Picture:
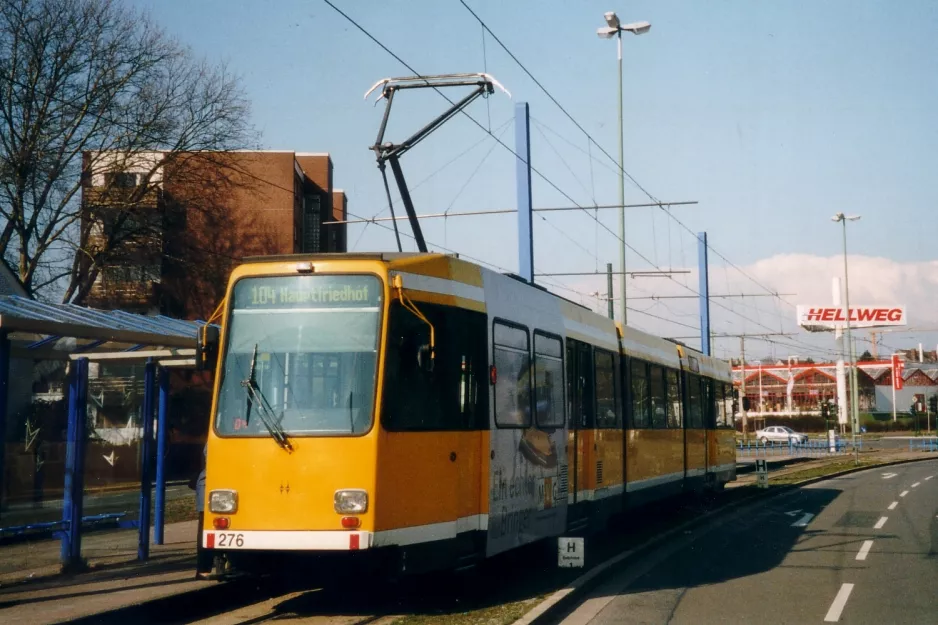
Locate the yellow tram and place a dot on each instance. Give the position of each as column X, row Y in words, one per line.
column 432, row 412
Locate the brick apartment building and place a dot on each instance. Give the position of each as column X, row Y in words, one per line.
column 173, row 229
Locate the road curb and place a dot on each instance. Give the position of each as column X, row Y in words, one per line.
column 560, row 600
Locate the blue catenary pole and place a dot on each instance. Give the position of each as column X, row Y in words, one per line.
column 704, row 293
column 161, row 443
column 523, row 177
column 146, row 459
column 73, row 496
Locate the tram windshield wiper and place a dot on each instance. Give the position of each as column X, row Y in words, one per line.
column 264, row 410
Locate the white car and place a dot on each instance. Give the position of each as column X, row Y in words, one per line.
column 780, row 434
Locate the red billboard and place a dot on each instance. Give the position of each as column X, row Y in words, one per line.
column 829, row 317
column 897, row 368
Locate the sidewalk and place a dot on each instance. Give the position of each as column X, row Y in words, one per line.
column 33, row 591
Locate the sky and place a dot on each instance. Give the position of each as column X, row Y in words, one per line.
column 771, row 116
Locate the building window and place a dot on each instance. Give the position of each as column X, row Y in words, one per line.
column 122, row 180
column 311, row 223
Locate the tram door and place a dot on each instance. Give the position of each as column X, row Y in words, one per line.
column 695, row 435
column 580, row 435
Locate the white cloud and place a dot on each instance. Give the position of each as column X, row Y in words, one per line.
column 873, row 281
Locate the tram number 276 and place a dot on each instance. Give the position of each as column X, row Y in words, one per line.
column 229, row 540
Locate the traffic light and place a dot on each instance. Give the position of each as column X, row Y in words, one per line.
column 933, row 404
column 825, row 410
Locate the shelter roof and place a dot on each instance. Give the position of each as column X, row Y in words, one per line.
column 43, row 331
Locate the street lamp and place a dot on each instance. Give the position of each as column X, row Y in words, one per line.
column 854, row 394
column 615, row 28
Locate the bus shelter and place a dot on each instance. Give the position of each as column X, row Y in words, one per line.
column 32, row 330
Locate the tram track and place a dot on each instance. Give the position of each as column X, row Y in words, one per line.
column 512, row 581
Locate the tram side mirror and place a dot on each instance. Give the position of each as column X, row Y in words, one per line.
column 206, row 348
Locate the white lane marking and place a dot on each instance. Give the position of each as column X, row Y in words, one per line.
column 833, row 614
column 793, row 512
column 916, row 485
column 865, row 549
column 929, row 477
column 904, row 493
column 889, row 476
column 893, row 505
column 882, row 521
column 803, row 521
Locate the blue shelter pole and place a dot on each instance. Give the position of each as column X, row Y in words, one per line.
column 161, row 442
column 74, row 465
column 146, row 459
column 4, row 402
column 704, row 293
column 523, row 178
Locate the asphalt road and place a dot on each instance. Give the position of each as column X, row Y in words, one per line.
column 862, row 548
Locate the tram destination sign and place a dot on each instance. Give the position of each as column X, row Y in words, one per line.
column 826, row 318
column 325, row 291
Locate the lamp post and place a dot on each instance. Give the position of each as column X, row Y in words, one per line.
column 854, row 393
column 615, row 28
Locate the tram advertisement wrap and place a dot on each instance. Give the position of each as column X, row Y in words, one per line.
column 527, row 497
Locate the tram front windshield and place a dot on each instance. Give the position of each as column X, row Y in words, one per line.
column 310, row 343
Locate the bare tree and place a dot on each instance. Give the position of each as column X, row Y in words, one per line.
column 88, row 89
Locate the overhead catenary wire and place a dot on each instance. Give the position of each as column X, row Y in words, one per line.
column 533, row 169
column 494, row 211
column 589, row 297
column 117, row 123
column 658, row 204
column 541, row 175
column 618, row 166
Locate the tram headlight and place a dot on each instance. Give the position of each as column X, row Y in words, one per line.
column 351, row 501
column 223, row 501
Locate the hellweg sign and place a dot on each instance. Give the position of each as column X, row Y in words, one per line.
column 821, row 318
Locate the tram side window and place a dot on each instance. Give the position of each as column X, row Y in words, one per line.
column 639, row 385
column 694, row 414
column 572, row 404
column 659, row 411
column 606, row 413
column 709, row 406
column 585, row 390
column 454, row 395
column 730, row 419
column 620, row 389
column 513, row 379
column 548, row 380
column 674, row 399
column 721, row 405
